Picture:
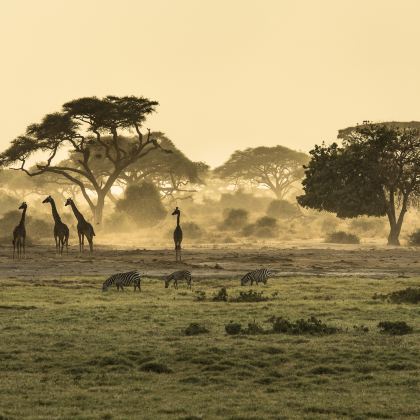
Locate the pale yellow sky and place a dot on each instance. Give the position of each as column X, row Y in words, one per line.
column 228, row 74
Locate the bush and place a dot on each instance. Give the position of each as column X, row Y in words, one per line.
column 283, row 209
column 233, row 328
column 341, row 237
column 311, row 326
column 155, row 367
column 192, row 230
column 195, row 329
column 235, row 219
column 414, row 238
column 221, row 295
column 250, row 296
column 200, row 295
column 253, row 328
column 408, row 295
column 143, row 204
column 266, row 222
column 394, row 328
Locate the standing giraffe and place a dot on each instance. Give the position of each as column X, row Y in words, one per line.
column 84, row 228
column 19, row 233
column 177, row 235
column 61, row 231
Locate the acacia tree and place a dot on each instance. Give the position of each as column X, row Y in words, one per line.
column 173, row 174
column 83, row 127
column 376, row 172
column 277, row 168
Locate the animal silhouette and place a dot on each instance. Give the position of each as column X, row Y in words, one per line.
column 84, row 228
column 19, row 234
column 61, row 231
column 177, row 235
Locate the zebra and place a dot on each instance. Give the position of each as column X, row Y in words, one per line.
column 123, row 279
column 178, row 275
column 259, row 276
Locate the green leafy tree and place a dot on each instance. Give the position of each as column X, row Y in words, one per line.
column 277, row 168
column 376, row 172
column 84, row 127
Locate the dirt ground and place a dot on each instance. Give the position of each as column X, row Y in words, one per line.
column 215, row 262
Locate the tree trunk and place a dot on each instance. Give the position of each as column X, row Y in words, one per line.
column 99, row 209
column 395, row 225
column 394, row 234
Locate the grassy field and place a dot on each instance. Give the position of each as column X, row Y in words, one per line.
column 67, row 350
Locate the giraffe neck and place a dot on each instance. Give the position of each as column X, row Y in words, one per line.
column 177, row 218
column 55, row 214
column 77, row 213
column 22, row 219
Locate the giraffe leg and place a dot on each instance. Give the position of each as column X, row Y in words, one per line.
column 14, row 248
column 80, row 242
column 90, row 244
column 24, row 247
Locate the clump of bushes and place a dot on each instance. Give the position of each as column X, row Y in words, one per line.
column 341, row 237
column 264, row 227
column 200, row 295
column 414, row 238
column 312, row 325
column 155, row 367
column 233, row 328
column 283, row 209
column 195, row 329
column 394, row 327
column 372, row 226
column 221, row 295
column 249, row 296
column 280, row 325
column 408, row 295
column 235, row 219
column 192, row 230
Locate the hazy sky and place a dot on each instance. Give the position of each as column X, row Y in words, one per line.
column 228, row 74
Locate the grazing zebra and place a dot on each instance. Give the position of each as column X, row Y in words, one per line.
column 259, row 276
column 178, row 275
column 123, row 279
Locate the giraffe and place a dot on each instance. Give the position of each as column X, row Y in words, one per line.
column 177, row 235
column 84, row 228
column 19, row 233
column 61, row 231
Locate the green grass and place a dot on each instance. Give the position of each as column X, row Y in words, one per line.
column 67, row 350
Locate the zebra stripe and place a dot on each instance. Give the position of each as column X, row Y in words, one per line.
column 259, row 276
column 123, row 279
column 178, row 275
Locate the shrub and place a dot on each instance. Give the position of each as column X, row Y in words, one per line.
column 155, row 367
column 195, row 329
column 250, row 296
column 221, row 295
column 282, row 209
column 414, row 238
column 200, row 295
column 341, row 237
column 192, row 230
column 266, row 222
column 394, row 328
column 311, row 326
column 408, row 295
column 235, row 219
column 253, row 328
column 233, row 328
column 143, row 204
